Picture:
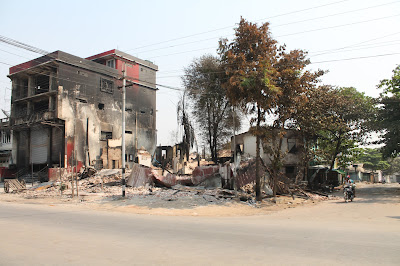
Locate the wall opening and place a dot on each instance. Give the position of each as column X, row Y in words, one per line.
column 105, row 135
column 42, row 83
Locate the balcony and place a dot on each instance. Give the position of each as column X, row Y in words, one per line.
column 36, row 117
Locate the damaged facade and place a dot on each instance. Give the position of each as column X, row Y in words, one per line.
column 246, row 148
column 65, row 107
column 5, row 143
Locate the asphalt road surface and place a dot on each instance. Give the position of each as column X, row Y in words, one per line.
column 363, row 232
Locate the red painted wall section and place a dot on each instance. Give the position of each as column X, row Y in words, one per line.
column 7, row 173
column 70, row 152
column 132, row 73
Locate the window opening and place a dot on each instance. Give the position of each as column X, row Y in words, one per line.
column 292, row 146
column 289, row 169
column 82, row 100
column 105, row 135
column 110, row 63
column 101, row 106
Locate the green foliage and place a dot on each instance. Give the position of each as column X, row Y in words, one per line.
column 388, row 121
column 391, row 86
column 394, row 166
column 372, row 159
column 338, row 118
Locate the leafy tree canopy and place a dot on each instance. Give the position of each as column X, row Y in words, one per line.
column 372, row 159
column 389, row 114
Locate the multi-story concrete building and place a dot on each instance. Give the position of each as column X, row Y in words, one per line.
column 65, row 107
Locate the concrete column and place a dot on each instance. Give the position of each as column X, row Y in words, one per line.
column 51, row 103
column 29, row 108
column 51, row 81
column 31, row 92
column 14, row 88
column 31, row 86
column 13, row 96
column 49, row 147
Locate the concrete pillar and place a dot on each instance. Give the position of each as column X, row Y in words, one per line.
column 29, row 108
column 51, row 103
column 13, row 96
column 31, row 86
column 31, row 92
column 51, row 81
column 49, row 147
column 14, row 88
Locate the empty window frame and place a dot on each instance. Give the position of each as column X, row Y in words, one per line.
column 105, row 135
column 110, row 63
column 42, row 83
column 289, row 169
column 292, row 145
column 5, row 137
column 101, row 106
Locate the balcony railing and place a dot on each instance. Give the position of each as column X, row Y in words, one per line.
column 43, row 115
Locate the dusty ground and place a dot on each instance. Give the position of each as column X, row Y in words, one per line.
column 185, row 201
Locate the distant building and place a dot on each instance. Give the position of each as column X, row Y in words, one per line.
column 65, row 107
column 291, row 146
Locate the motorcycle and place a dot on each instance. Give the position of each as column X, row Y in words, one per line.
column 348, row 194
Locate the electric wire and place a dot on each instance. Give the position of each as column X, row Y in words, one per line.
column 34, row 49
column 291, row 34
column 231, row 26
column 272, row 26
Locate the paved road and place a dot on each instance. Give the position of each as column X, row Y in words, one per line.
column 363, row 232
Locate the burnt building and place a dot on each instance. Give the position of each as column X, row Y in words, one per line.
column 67, row 109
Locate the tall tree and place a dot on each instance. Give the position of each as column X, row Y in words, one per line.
column 337, row 119
column 210, row 107
column 248, row 61
column 389, row 114
column 295, row 83
column 372, row 159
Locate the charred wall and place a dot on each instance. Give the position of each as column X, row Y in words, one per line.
column 91, row 105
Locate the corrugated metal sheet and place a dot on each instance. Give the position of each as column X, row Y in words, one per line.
column 39, row 140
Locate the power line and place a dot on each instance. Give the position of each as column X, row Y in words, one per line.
column 357, row 44
column 353, row 58
column 229, row 27
column 22, row 45
column 337, row 14
column 274, row 26
column 31, row 48
column 296, row 33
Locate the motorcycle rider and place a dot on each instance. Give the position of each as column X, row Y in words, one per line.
column 350, row 183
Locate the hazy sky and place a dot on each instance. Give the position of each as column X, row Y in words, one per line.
column 358, row 41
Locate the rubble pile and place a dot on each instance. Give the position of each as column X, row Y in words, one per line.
column 152, row 185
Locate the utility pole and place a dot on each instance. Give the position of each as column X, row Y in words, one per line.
column 136, row 138
column 123, row 128
column 234, row 150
